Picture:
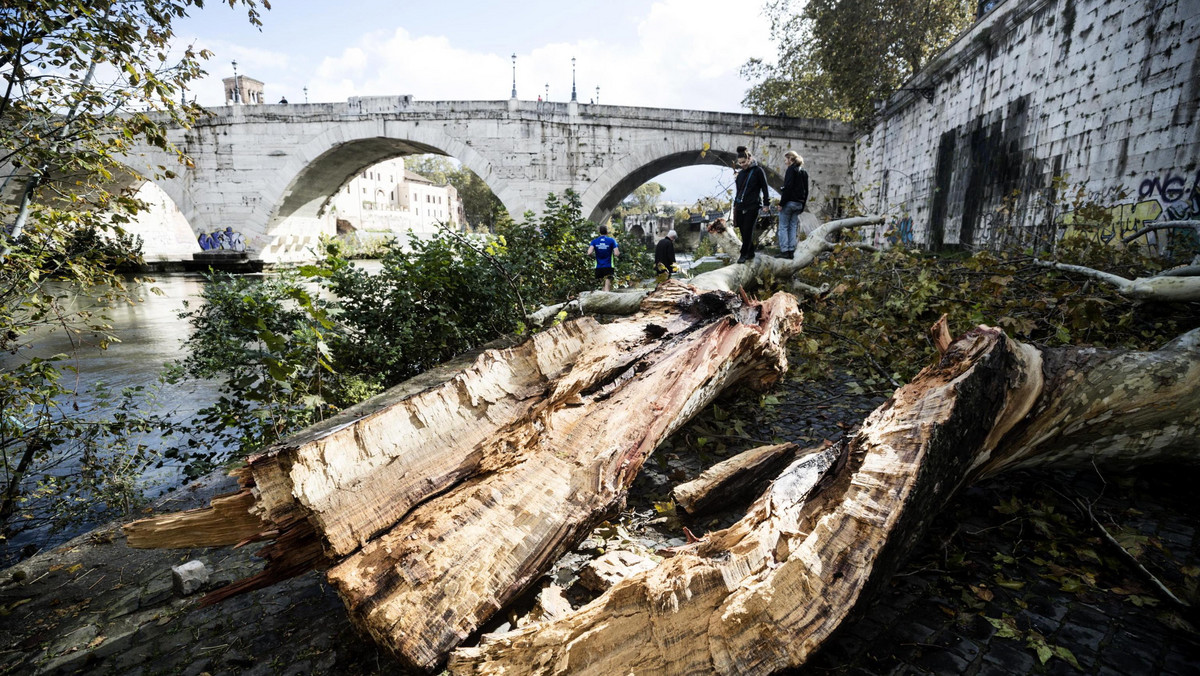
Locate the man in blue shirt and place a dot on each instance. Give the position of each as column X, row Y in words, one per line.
column 604, row 248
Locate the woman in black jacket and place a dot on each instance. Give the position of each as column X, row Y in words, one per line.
column 750, row 196
column 792, row 201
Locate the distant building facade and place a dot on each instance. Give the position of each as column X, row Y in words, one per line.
column 387, row 198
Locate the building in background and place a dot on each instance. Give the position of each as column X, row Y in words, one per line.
column 387, row 199
column 243, row 90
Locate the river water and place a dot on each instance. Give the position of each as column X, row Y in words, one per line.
column 151, row 334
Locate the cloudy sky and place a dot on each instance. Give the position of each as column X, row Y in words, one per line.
column 666, row 53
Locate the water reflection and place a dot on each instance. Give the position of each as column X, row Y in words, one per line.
column 151, row 334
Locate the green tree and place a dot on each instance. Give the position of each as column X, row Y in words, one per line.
column 837, row 57
column 268, row 342
column 436, row 168
column 82, row 82
column 644, row 199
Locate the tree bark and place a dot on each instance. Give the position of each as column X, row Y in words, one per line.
column 767, row 592
column 525, row 451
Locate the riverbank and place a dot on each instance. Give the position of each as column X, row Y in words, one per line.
column 1009, row 570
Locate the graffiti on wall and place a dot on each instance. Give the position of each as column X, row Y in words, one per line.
column 1166, row 197
column 901, row 231
column 1179, row 202
column 227, row 240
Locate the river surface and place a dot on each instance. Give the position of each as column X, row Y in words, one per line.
column 151, row 335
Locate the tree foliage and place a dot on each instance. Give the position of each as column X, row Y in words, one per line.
column 882, row 304
column 837, row 57
column 80, row 84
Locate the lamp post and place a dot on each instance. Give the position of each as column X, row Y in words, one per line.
column 306, row 93
column 573, row 78
column 547, row 91
column 514, row 91
column 237, row 95
column 597, row 94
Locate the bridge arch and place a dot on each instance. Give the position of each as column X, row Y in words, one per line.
column 622, row 178
column 327, row 162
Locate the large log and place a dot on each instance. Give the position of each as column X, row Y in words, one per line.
column 441, row 504
column 767, row 592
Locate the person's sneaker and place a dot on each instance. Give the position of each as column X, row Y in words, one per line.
column 741, row 259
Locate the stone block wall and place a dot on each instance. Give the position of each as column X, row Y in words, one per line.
column 1103, row 94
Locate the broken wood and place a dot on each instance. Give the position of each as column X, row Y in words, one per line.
column 734, row 480
column 525, row 450
column 1164, row 288
column 766, row 593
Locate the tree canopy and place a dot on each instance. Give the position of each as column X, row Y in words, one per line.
column 837, row 57
column 80, row 84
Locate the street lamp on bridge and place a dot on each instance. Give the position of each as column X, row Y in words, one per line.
column 572, row 78
column 237, row 95
column 514, row 91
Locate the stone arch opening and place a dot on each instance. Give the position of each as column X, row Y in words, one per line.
column 162, row 226
column 303, row 213
column 631, row 179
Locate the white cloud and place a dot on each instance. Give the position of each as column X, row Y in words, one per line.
column 687, row 55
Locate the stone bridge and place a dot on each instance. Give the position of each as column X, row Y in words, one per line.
column 270, row 171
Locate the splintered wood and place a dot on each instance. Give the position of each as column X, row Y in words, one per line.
column 766, row 593
column 439, row 502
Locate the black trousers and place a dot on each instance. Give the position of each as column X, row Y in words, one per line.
column 744, row 220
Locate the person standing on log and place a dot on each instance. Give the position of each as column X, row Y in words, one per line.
column 664, row 255
column 605, row 249
column 792, row 201
column 750, row 196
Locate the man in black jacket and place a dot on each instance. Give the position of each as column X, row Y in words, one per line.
column 792, row 202
column 749, row 197
column 664, row 254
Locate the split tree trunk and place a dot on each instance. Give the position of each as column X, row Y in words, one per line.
column 440, row 505
column 767, row 592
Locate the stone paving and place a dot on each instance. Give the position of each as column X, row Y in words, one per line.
column 1012, row 579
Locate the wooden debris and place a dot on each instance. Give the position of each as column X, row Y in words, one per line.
column 735, row 479
column 440, row 502
column 766, row 593
column 612, row 567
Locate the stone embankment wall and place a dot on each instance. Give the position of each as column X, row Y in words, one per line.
column 1102, row 94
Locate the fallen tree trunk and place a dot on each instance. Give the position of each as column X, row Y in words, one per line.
column 728, row 278
column 524, row 451
column 767, row 592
